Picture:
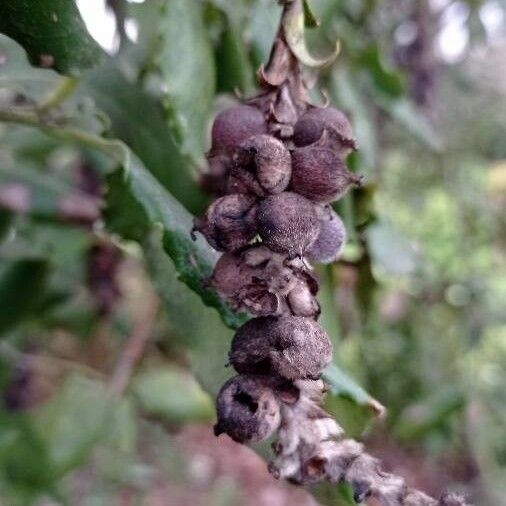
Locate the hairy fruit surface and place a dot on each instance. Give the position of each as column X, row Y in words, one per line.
column 229, row 223
column 248, row 410
column 293, row 347
column 287, row 223
column 314, row 123
column 319, row 174
column 234, row 125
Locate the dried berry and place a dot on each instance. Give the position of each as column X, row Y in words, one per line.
column 248, row 409
column 302, row 302
column 262, row 165
column 292, row 347
column 316, row 121
column 229, row 223
column 320, row 175
column 234, row 125
column 287, row 223
column 330, row 243
column 263, row 282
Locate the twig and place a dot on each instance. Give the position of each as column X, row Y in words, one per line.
column 66, row 87
column 134, row 349
column 312, row 447
column 30, row 117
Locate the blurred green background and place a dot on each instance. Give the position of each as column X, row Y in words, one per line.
column 89, row 255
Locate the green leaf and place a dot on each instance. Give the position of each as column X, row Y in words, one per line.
column 16, row 74
column 74, row 421
column 121, row 431
column 198, row 328
column 123, row 213
column 334, row 494
column 310, row 20
column 342, row 385
column 329, row 317
column 194, row 260
column 386, row 80
column 406, row 115
column 24, row 457
column 52, row 32
column 128, row 108
column 22, row 286
column 233, row 67
column 173, row 395
column 390, row 250
column 263, row 24
column 186, row 64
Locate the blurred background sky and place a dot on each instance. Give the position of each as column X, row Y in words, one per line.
column 452, row 40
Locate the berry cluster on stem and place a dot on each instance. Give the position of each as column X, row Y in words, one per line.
column 276, row 165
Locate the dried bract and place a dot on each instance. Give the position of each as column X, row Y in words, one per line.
column 262, row 282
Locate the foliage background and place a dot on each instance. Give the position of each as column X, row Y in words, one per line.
column 94, row 246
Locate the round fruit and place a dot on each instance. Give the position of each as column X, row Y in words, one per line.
column 312, row 125
column 229, row 223
column 262, row 165
column 320, row 175
column 287, row 223
column 331, row 240
column 234, row 125
column 248, row 410
column 293, row 347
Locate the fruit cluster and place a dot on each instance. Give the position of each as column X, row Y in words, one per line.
column 276, row 164
column 273, row 214
column 271, row 219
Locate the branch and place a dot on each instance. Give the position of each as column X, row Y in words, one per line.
column 65, row 89
column 311, row 448
column 134, row 348
column 30, row 117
